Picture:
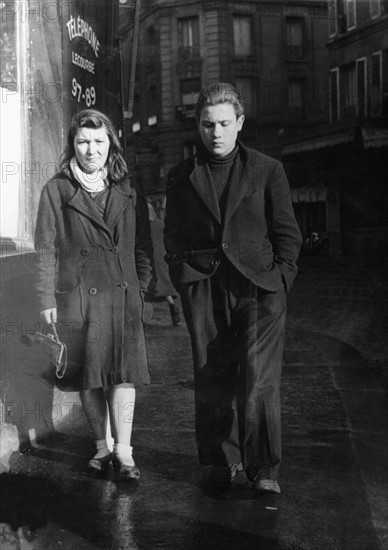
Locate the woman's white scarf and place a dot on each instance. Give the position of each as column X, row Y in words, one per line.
column 92, row 183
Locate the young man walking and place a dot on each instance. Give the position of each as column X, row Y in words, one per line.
column 232, row 242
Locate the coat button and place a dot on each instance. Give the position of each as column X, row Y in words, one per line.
column 225, row 245
column 115, row 249
column 92, row 291
column 124, row 285
column 84, row 252
column 213, row 263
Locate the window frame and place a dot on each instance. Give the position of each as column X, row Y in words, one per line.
column 365, row 107
column 378, row 4
column 251, row 108
column 181, row 92
column 378, row 53
column 302, row 21
column 249, row 18
column 335, row 71
column 348, row 90
column 332, row 6
column 294, row 109
column 348, row 4
column 193, row 47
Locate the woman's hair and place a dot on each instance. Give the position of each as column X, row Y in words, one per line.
column 214, row 94
column 90, row 118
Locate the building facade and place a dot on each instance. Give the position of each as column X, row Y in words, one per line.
column 350, row 153
column 274, row 52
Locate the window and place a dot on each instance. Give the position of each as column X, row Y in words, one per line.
column 374, row 8
column 189, row 90
column 189, row 149
column 334, row 95
column 295, row 99
column 376, row 91
column 332, row 17
column 247, row 90
column 149, row 47
column 242, row 35
column 351, row 14
column 295, row 38
column 152, row 105
column 188, row 37
column 361, row 87
column 348, row 88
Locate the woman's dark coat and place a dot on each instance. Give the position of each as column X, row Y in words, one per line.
column 96, row 272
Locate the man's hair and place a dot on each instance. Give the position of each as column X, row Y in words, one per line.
column 91, row 118
column 220, row 92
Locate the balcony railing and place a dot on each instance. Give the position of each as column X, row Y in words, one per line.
column 296, row 52
column 186, row 53
column 296, row 113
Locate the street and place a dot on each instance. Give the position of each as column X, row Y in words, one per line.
column 334, row 476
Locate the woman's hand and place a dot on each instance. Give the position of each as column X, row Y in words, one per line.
column 49, row 316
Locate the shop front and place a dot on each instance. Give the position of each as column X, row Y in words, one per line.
column 57, row 58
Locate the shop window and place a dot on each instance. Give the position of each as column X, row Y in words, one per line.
column 189, row 90
column 332, row 18
column 247, row 90
column 296, row 46
column 296, row 99
column 188, row 37
column 361, row 87
column 376, row 91
column 374, row 8
column 242, row 35
column 348, row 91
column 334, row 94
column 351, row 14
column 11, row 139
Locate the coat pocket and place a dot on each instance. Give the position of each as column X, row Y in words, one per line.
column 70, row 306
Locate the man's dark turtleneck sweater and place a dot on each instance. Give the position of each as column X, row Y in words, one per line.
column 221, row 171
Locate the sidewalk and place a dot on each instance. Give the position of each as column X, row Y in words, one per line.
column 334, row 473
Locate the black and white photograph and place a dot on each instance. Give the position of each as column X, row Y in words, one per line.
column 194, row 275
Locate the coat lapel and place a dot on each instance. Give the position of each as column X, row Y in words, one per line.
column 117, row 202
column 240, row 179
column 202, row 181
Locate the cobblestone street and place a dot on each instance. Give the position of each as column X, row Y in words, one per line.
column 334, row 473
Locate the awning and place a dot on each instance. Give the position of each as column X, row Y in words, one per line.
column 374, row 137
column 319, row 142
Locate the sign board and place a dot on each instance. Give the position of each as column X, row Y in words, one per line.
column 308, row 194
column 185, row 112
column 90, row 66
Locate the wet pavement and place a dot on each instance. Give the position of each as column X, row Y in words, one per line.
column 334, row 476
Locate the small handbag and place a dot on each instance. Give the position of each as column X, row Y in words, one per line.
column 54, row 348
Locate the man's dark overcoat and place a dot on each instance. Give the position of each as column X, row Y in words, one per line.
column 258, row 235
column 95, row 270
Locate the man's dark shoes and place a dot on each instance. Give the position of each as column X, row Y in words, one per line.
column 224, row 475
column 262, row 486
